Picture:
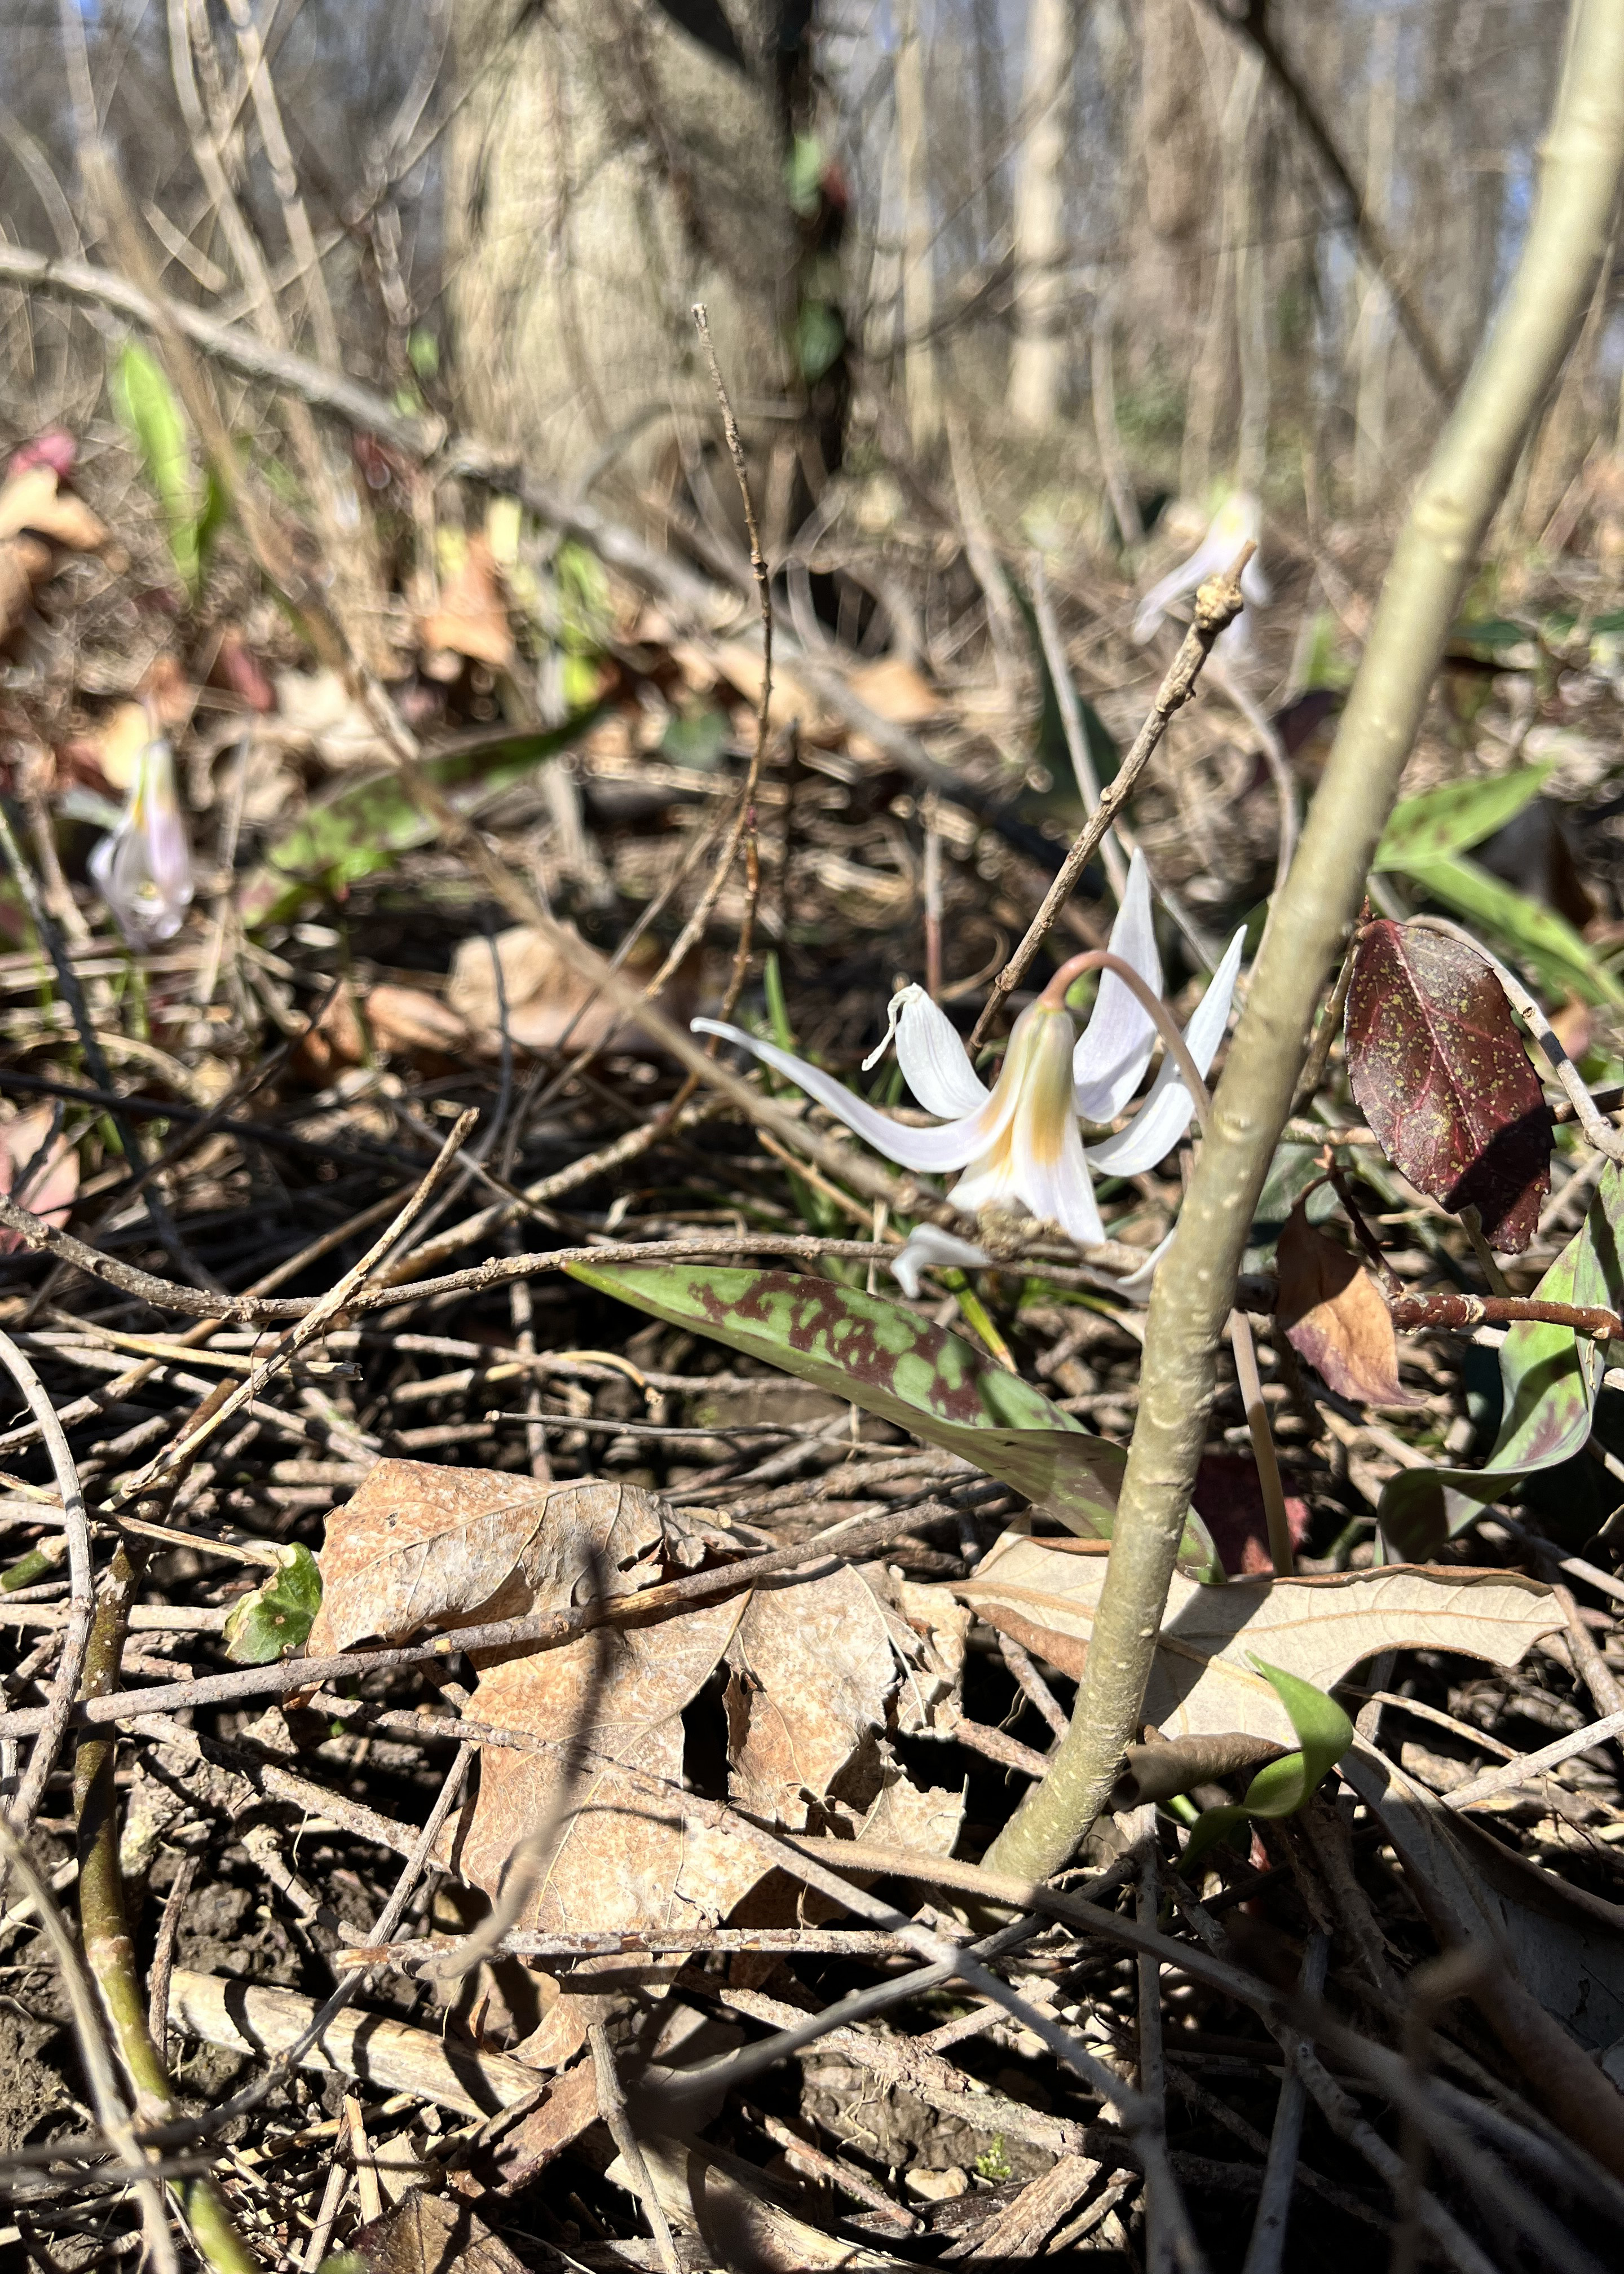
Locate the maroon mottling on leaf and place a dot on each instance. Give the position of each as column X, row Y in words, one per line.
column 1334, row 1316
column 1229, row 1500
column 1441, row 1074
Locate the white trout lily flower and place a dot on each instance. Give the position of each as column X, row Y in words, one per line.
column 1022, row 1140
column 143, row 870
column 1239, row 521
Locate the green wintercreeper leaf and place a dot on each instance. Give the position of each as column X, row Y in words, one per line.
column 1549, row 1376
column 277, row 1616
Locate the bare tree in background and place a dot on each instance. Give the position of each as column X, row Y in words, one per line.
column 918, row 295
column 1037, row 361
column 614, row 161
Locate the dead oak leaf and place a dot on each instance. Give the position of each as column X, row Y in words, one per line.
column 1202, row 1679
column 419, row 1545
column 812, row 1668
column 471, row 619
column 1334, row 1316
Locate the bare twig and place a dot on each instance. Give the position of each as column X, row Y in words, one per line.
column 81, row 1601
column 1217, row 604
column 611, row 2108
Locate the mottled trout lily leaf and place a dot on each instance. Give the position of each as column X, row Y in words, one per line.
column 898, row 1366
column 1548, row 1376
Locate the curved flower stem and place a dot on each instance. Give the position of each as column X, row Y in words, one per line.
column 1582, row 160
column 1240, row 1326
column 1101, row 959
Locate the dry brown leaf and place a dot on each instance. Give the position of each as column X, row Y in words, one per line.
column 471, row 619
column 622, row 1856
column 931, row 1630
column 1203, row 1681
column 407, row 1020
column 31, row 500
column 432, row 2234
column 119, row 742
column 318, row 709
column 812, row 1667
column 419, row 1546
column 927, row 1819
column 895, row 691
column 24, row 563
column 543, row 997
column 52, row 1166
column 1334, row 1316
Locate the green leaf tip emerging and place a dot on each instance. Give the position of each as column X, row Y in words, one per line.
column 1324, row 1732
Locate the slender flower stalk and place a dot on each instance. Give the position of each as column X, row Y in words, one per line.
column 143, row 870
column 1022, row 1141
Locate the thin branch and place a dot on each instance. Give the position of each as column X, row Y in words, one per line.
column 1217, row 604
column 1251, row 20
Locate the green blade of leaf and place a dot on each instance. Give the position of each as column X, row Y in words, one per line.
column 147, row 405
column 880, row 1357
column 1454, row 816
column 1324, row 1734
column 1560, row 956
column 277, row 1616
column 360, row 827
column 1549, row 1376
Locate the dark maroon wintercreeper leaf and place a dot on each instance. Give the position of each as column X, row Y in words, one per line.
column 1441, row 1074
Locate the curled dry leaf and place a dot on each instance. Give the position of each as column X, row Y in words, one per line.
column 1203, row 1683
column 31, row 500
column 1334, row 1316
column 543, row 998
column 1439, row 1073
column 421, row 1545
column 471, row 619
column 38, row 1170
column 34, row 517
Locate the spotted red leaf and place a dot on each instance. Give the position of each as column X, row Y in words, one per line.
column 1442, row 1076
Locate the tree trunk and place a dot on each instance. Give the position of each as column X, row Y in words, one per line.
column 607, row 169
column 1171, row 222
column 1036, row 366
column 919, row 351
column 1373, row 335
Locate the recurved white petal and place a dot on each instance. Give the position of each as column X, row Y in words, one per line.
column 948, row 1148
column 926, row 1247
column 935, row 1063
column 1165, row 1115
column 1109, row 1063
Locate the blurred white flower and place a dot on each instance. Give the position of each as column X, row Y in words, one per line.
column 143, row 870
column 1236, row 521
column 1021, row 1140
